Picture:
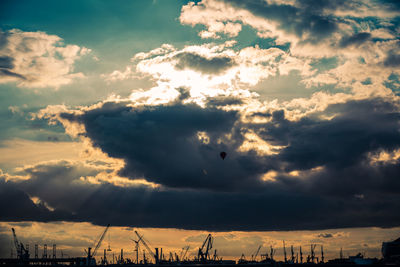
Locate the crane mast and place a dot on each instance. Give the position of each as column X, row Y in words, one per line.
column 136, row 249
column 203, row 256
column 147, row 246
column 292, row 253
column 16, row 243
column 284, row 251
column 272, row 253
column 22, row 252
column 301, row 256
column 255, row 255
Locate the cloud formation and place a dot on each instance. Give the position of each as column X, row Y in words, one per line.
column 164, row 143
column 301, row 40
column 23, row 208
column 287, row 21
column 197, row 62
column 329, row 160
column 340, row 162
column 208, row 71
column 36, row 59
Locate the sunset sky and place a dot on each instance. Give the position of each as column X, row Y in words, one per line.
column 115, row 112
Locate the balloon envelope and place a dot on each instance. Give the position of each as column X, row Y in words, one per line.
column 223, row 155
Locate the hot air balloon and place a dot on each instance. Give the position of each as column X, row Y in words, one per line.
column 223, row 155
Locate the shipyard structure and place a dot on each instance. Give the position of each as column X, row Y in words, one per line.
column 206, row 256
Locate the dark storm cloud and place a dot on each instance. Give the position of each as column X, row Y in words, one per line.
column 166, row 145
column 357, row 128
column 355, row 40
column 162, row 143
column 342, row 146
column 213, row 65
column 49, row 180
column 201, row 191
column 274, row 209
column 232, row 211
column 306, row 18
column 15, row 204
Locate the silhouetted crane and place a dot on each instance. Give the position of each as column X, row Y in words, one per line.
column 137, row 249
column 141, row 238
column 322, row 254
column 100, row 240
column 312, row 256
column 301, row 255
column 284, row 251
column 109, row 246
column 184, row 252
column 90, row 256
column 272, row 253
column 22, row 252
column 256, row 254
column 204, row 255
column 292, row 259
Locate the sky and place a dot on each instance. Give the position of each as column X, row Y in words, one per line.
column 115, row 112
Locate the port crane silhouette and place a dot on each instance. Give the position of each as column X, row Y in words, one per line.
column 141, row 239
column 90, row 255
column 204, row 250
column 22, row 252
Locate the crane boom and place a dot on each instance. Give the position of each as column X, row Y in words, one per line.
column 205, row 241
column 203, row 256
column 16, row 243
column 258, row 250
column 184, row 254
column 22, row 252
column 100, row 240
column 145, row 244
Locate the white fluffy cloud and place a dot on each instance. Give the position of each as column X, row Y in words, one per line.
column 222, row 18
column 36, row 59
column 364, row 52
column 268, row 18
column 208, row 70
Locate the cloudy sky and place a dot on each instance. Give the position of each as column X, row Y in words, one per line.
column 117, row 111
